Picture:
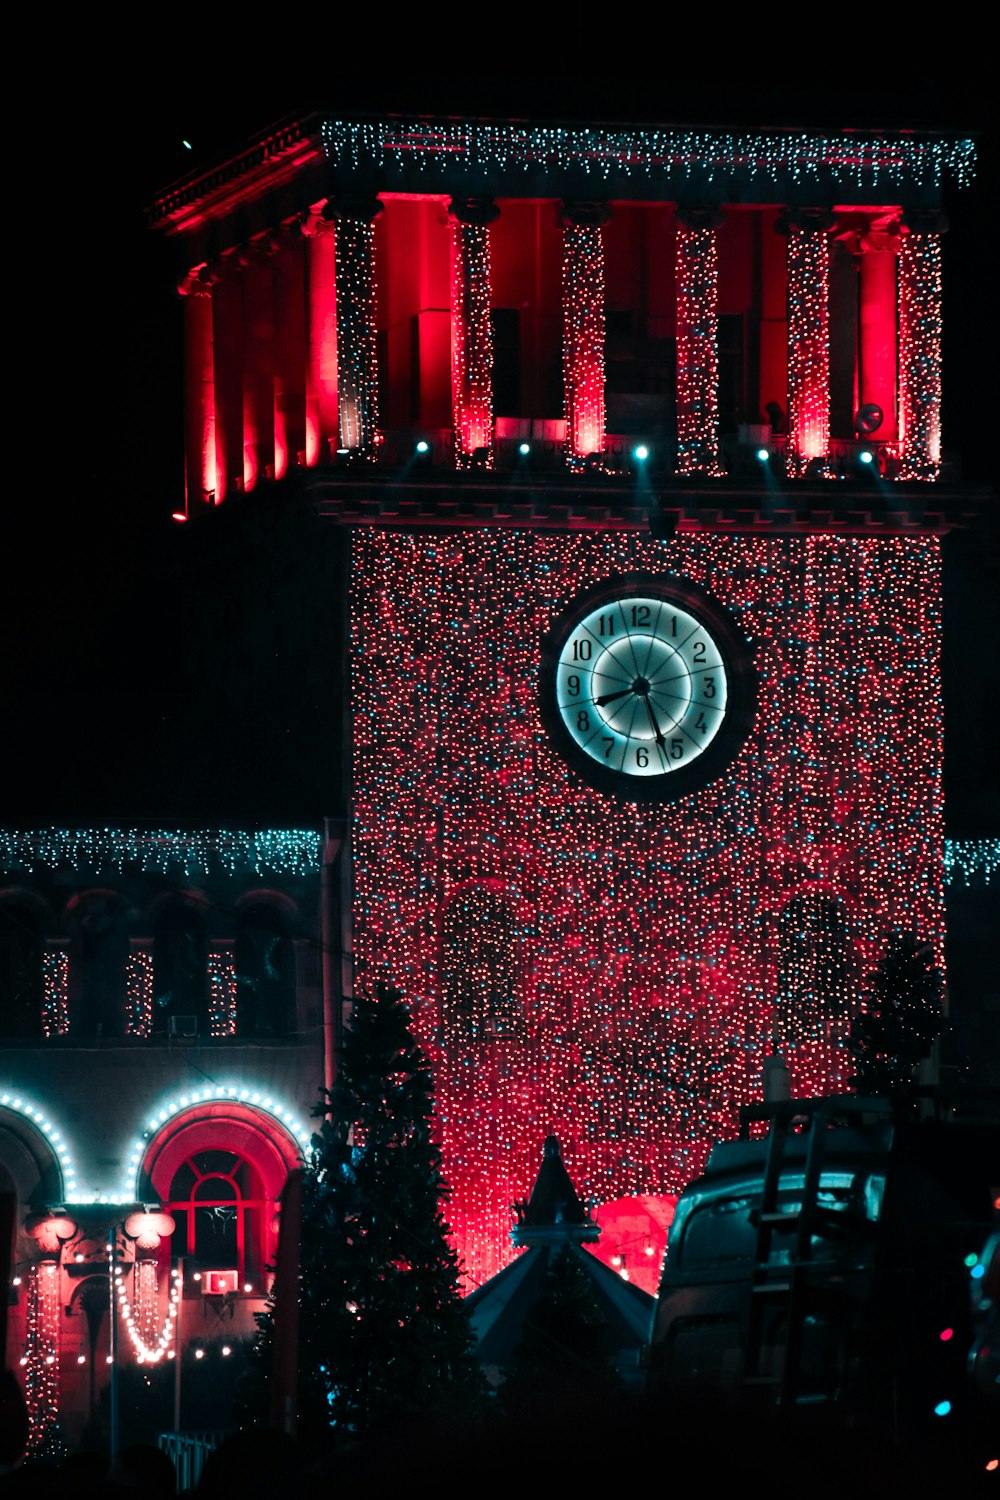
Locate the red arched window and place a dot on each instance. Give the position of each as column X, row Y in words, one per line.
column 218, row 1203
column 219, row 1169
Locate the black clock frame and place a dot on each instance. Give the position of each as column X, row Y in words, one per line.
column 741, row 687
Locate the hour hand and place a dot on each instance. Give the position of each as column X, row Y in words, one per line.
column 611, row 697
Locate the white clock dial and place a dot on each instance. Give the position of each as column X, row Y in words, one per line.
column 641, row 686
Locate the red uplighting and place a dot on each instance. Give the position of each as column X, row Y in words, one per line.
column 946, row 1334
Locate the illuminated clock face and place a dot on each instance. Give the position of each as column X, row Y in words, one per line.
column 645, row 680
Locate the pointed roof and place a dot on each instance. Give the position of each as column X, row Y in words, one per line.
column 554, row 1213
column 553, row 1218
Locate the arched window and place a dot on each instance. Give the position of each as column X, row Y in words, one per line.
column 481, row 995
column 265, row 972
column 219, row 1170
column 813, row 967
column 20, row 967
column 180, row 966
column 218, row 1202
column 100, row 949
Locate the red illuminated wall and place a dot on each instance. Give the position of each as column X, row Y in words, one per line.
column 626, row 963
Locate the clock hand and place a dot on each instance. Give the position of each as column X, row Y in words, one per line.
column 652, row 719
column 610, row 697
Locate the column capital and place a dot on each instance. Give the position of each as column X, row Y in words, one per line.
column 808, row 220
column 317, row 220
column 576, row 214
column 347, row 206
column 480, row 211
column 699, row 215
column 198, row 282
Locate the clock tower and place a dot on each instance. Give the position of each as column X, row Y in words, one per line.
column 634, row 438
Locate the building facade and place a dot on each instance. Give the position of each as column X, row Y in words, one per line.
column 634, row 439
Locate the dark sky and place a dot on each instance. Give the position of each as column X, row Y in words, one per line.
column 96, row 604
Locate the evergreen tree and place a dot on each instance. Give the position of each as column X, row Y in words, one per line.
column 384, row 1339
column 901, row 1016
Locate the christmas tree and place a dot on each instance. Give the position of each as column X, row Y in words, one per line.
column 384, row 1339
column 901, row 1016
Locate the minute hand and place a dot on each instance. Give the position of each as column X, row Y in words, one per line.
column 652, row 719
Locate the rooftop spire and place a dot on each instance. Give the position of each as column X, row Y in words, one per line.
column 554, row 1213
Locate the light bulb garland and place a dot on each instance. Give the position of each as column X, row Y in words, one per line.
column 357, row 359
column 919, row 272
column 697, row 276
column 40, row 1363
column 55, row 992
column 139, row 993
column 149, row 1344
column 222, row 993
column 258, row 1100
column 471, row 343
column 583, row 340
column 808, row 350
column 635, row 952
column 56, row 1141
column 775, row 160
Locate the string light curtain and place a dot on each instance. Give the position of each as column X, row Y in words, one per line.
column 55, row 992
column 643, row 939
column 583, row 329
column 357, row 352
column 697, row 277
column 471, row 331
column 222, row 993
column 920, row 348
column 139, row 993
column 40, row 1362
column 808, row 341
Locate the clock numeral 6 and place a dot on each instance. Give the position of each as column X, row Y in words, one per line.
column 642, row 756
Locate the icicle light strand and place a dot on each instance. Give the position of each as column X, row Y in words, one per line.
column 777, row 159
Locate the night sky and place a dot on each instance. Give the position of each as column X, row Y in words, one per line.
column 111, row 709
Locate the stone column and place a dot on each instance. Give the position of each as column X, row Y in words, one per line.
column 877, row 251
column 258, row 365
column 322, row 410
column 471, row 332
column 199, row 389
column 920, row 345
column 289, row 348
column 697, row 279
column 583, row 328
column 227, row 342
column 357, row 345
column 808, row 338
